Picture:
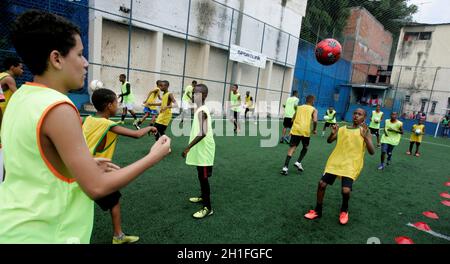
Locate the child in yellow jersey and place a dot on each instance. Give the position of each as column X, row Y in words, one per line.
column 201, row 150
column 51, row 176
column 150, row 110
column 346, row 162
column 417, row 131
column 165, row 112
column 101, row 136
column 392, row 134
column 301, row 131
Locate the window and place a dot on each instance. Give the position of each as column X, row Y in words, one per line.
column 408, row 98
column 422, row 107
column 411, row 36
column 425, row 35
column 433, row 107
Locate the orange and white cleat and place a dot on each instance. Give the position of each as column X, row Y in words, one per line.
column 343, row 218
column 417, row 154
column 311, row 215
column 408, row 153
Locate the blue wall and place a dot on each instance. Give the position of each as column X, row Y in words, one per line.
column 430, row 128
column 310, row 77
column 77, row 12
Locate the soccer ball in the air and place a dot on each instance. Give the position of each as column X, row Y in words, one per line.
column 328, row 51
column 96, row 84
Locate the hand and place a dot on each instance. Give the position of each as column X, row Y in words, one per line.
column 364, row 130
column 161, row 148
column 334, row 129
column 185, row 152
column 106, row 165
column 315, row 132
column 153, row 130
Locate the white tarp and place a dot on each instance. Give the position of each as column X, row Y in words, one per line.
column 247, row 56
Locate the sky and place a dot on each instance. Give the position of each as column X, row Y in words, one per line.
column 432, row 11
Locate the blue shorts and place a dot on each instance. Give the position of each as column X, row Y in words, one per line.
column 387, row 148
column 150, row 111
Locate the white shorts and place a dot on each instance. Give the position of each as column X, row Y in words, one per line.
column 129, row 106
column 187, row 105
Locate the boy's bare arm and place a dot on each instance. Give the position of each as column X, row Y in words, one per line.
column 202, row 133
column 333, row 135
column 123, row 131
column 62, row 128
column 11, row 83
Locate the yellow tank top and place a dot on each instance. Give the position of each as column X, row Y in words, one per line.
column 152, row 98
column 165, row 116
column 95, row 129
column 302, row 122
column 347, row 158
column 249, row 102
column 414, row 136
column 7, row 93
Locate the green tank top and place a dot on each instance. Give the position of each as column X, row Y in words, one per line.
column 127, row 99
column 38, row 204
column 332, row 116
column 378, row 116
column 389, row 137
column 235, row 101
column 289, row 109
column 202, row 154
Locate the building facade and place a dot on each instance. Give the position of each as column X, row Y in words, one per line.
column 182, row 40
column 422, row 70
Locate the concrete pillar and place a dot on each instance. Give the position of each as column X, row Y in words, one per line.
column 266, row 77
column 156, row 47
column 288, row 80
column 204, row 60
column 95, row 46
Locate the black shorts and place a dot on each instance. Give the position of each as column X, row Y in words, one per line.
column 161, row 130
column 375, row 131
column 109, row 201
column 204, row 171
column 295, row 141
column 328, row 124
column 287, row 122
column 329, row 179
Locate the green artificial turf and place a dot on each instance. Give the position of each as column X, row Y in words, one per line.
column 253, row 203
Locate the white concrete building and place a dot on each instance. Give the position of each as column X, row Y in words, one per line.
column 158, row 44
column 422, row 69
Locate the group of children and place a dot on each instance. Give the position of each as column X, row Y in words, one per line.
column 347, row 159
column 50, row 200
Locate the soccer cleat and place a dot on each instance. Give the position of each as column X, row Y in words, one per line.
column 408, row 153
column 284, row 171
column 124, row 239
column 417, row 154
column 381, row 167
column 203, row 213
column 311, row 215
column 136, row 125
column 195, row 199
column 343, row 218
column 299, row 166
column 281, row 140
